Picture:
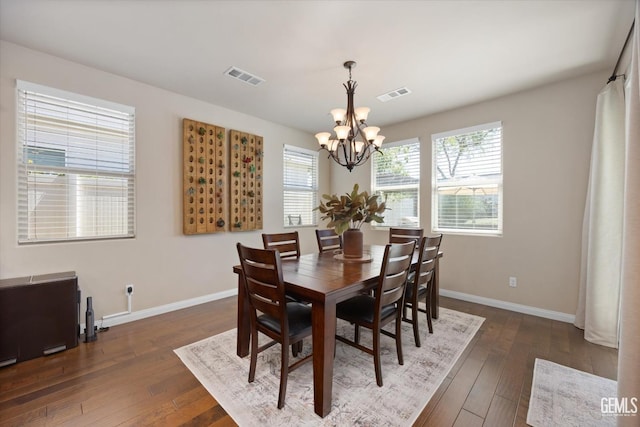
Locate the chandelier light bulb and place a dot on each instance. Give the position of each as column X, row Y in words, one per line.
column 338, row 114
column 371, row 132
column 362, row 113
column 378, row 141
column 358, row 145
column 323, row 138
column 333, row 145
column 342, row 132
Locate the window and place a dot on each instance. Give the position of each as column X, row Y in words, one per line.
column 300, row 186
column 467, row 180
column 76, row 166
column 396, row 178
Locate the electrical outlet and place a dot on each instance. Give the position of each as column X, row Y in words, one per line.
column 513, row 282
column 128, row 289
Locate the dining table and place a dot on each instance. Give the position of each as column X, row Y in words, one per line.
column 323, row 280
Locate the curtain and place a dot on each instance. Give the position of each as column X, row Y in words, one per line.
column 598, row 302
column 629, row 352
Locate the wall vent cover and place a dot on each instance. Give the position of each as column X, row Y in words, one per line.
column 244, row 76
column 394, row 94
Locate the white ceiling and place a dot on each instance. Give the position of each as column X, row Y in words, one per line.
column 449, row 53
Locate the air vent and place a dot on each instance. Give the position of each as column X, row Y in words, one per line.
column 243, row 76
column 394, row 94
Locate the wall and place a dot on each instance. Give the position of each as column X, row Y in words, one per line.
column 547, row 143
column 547, row 135
column 164, row 265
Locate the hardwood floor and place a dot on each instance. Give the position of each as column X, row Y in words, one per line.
column 130, row 375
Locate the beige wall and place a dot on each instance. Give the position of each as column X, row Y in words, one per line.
column 164, row 265
column 547, row 143
column 547, row 148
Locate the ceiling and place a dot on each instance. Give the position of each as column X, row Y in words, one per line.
column 448, row 53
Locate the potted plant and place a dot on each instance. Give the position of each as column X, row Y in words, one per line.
column 347, row 213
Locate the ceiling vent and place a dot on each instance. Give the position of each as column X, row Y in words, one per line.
column 243, row 76
column 394, row 94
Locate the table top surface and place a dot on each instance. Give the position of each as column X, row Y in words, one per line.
column 319, row 276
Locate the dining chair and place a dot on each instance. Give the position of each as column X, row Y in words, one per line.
column 297, row 219
column 288, row 244
column 328, row 239
column 403, row 235
column 419, row 284
column 374, row 312
column 285, row 322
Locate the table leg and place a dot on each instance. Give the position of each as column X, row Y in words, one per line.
column 244, row 329
column 435, row 290
column 324, row 331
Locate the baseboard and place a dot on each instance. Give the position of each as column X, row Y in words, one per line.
column 520, row 308
column 154, row 311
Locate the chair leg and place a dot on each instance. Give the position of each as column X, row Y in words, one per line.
column 356, row 334
column 296, row 348
column 414, row 320
column 399, row 338
column 428, row 310
column 376, row 356
column 284, row 373
column 254, row 355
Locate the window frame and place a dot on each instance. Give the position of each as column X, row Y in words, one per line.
column 313, row 189
column 498, row 183
column 76, row 174
column 374, row 188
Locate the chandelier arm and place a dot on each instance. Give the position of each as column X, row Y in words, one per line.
column 344, row 149
column 349, row 118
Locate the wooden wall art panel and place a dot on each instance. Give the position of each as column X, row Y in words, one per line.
column 205, row 178
column 246, row 181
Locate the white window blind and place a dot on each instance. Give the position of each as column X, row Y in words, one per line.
column 76, row 166
column 467, row 180
column 396, row 178
column 300, row 186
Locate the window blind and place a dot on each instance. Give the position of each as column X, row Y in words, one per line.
column 396, row 178
column 76, row 166
column 300, row 183
column 467, row 180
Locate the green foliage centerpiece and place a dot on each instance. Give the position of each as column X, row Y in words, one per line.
column 347, row 213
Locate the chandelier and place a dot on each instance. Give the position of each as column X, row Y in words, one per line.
column 354, row 141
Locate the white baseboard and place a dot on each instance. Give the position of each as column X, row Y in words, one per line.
column 526, row 309
column 154, row 311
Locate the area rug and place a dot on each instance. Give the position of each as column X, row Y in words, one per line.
column 357, row 400
column 563, row 396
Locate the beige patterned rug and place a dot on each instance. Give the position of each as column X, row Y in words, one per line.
column 357, row 400
column 563, row 396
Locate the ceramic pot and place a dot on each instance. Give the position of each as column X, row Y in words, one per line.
column 352, row 242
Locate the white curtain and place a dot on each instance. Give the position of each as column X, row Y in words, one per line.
column 629, row 353
column 599, row 296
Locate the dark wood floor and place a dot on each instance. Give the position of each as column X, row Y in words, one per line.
column 131, row 376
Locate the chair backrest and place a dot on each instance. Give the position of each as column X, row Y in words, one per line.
column 393, row 273
column 403, row 235
column 264, row 285
column 428, row 251
column 297, row 219
column 434, row 241
column 288, row 244
column 328, row 240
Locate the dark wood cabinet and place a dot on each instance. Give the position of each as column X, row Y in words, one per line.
column 39, row 315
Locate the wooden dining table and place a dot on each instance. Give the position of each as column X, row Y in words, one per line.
column 323, row 281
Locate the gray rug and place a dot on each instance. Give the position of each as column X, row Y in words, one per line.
column 563, row 396
column 357, row 400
